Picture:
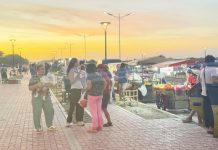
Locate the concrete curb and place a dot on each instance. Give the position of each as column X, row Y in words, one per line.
column 168, row 113
column 72, row 141
column 160, row 110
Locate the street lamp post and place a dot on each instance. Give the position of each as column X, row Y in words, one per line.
column 119, row 18
column 20, row 57
column 70, row 49
column 70, row 46
column 12, row 43
column 105, row 24
column 84, row 38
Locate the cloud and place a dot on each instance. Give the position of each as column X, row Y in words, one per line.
column 59, row 20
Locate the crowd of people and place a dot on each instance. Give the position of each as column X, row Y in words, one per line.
column 93, row 81
column 95, row 84
column 8, row 72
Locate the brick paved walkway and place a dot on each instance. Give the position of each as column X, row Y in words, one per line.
column 129, row 131
column 16, row 123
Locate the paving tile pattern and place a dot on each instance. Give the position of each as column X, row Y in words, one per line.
column 130, row 132
column 16, row 122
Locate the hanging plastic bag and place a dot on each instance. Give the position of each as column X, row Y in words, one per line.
column 83, row 102
column 143, row 90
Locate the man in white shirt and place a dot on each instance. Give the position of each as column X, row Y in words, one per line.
column 206, row 80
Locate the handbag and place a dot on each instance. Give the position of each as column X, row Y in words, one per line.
column 83, row 102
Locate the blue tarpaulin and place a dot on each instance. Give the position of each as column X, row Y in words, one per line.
column 108, row 61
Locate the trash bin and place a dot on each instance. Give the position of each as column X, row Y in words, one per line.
column 149, row 95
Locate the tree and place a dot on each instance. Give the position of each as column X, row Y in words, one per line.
column 8, row 60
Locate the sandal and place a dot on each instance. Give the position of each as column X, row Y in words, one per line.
column 109, row 124
column 92, row 130
column 39, row 130
column 99, row 129
column 210, row 131
column 52, row 128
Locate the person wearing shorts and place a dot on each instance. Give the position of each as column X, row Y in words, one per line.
column 122, row 79
column 106, row 93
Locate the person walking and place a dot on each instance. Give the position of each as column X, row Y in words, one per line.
column 73, row 73
column 41, row 99
column 95, row 87
column 106, row 93
column 191, row 81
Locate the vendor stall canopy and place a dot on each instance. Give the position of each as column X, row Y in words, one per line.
column 175, row 63
column 108, row 61
column 153, row 60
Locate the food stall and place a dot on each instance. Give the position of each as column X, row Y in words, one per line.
column 165, row 96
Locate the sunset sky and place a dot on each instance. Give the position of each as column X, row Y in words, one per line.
column 45, row 28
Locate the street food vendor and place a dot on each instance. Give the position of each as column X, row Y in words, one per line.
column 192, row 78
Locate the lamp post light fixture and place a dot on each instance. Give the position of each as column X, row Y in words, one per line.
column 119, row 17
column 105, row 25
column 12, row 44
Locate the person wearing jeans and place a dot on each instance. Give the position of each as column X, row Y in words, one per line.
column 95, row 103
column 73, row 73
column 207, row 92
column 75, row 95
column 95, row 87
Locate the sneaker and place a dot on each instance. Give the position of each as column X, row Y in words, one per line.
column 68, row 124
column 99, row 129
column 52, row 128
column 108, row 125
column 80, row 123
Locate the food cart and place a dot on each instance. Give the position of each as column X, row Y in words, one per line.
column 165, row 96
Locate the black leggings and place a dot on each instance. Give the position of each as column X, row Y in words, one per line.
column 75, row 95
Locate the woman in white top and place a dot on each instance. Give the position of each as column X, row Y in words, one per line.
column 73, row 73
